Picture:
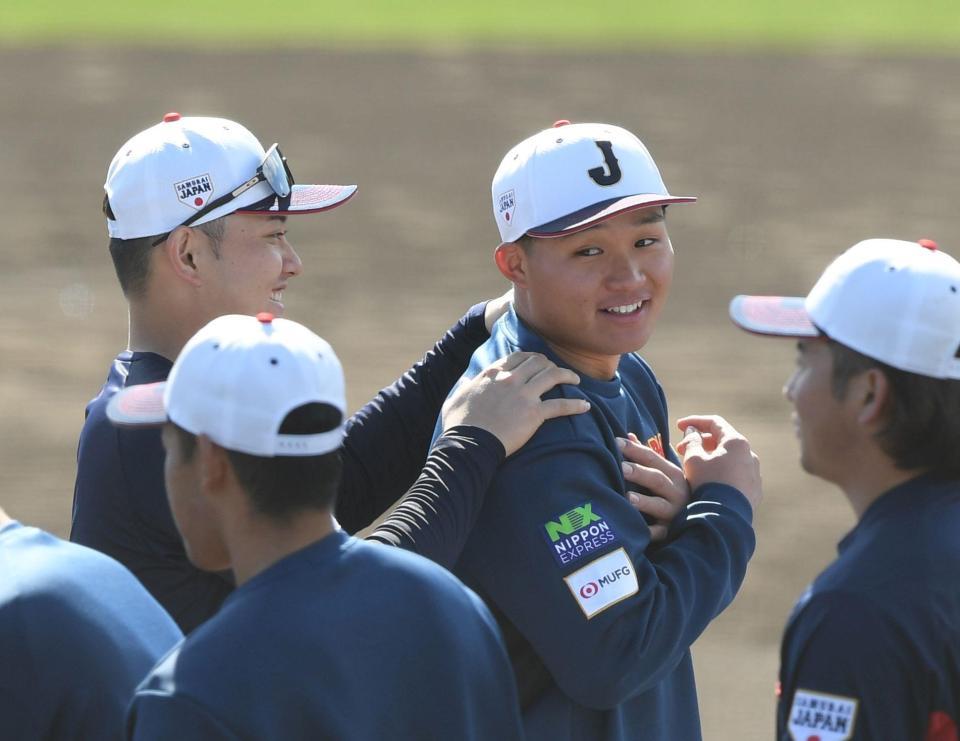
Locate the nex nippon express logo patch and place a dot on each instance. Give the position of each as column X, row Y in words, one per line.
column 577, row 533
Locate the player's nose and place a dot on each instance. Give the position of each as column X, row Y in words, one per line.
column 626, row 271
column 292, row 264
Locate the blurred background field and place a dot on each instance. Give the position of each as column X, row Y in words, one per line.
column 601, row 25
column 802, row 127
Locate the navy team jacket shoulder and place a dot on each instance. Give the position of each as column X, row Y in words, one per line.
column 369, row 642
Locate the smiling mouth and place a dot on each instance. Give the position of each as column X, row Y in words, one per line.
column 625, row 309
column 277, row 296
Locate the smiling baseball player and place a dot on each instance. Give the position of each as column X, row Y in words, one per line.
column 872, row 649
column 197, row 211
column 598, row 624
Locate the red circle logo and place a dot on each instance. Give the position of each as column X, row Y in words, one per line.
column 589, row 590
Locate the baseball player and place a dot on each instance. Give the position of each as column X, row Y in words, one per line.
column 77, row 634
column 197, row 215
column 872, row 648
column 599, row 625
column 326, row 636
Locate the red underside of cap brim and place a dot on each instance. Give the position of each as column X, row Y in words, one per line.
column 587, row 217
column 778, row 316
column 138, row 406
column 310, row 199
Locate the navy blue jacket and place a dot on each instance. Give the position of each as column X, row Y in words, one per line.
column 77, row 634
column 120, row 506
column 597, row 622
column 341, row 640
column 872, row 649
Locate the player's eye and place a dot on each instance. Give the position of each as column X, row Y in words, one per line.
column 646, row 242
column 589, row 251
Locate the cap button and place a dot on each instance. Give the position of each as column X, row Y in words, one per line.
column 561, row 122
column 171, row 117
column 265, row 317
column 928, row 243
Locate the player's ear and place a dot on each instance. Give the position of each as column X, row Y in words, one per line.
column 180, row 251
column 215, row 467
column 511, row 260
column 872, row 389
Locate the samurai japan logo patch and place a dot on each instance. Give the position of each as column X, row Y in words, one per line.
column 815, row 716
column 506, row 203
column 195, row 192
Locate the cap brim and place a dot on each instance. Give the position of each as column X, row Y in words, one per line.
column 587, row 217
column 779, row 316
column 307, row 199
column 138, row 406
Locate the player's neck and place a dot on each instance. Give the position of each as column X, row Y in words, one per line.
column 259, row 542
column 868, row 482
column 156, row 330
column 601, row 367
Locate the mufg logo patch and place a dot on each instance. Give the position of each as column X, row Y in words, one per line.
column 195, row 192
column 603, row 583
column 578, row 533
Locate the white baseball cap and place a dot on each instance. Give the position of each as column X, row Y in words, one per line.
column 236, row 380
column 894, row 301
column 170, row 173
column 571, row 176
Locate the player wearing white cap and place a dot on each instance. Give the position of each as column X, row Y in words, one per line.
column 872, row 648
column 326, row 636
column 599, row 618
column 197, row 214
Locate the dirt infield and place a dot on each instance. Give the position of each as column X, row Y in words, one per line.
column 794, row 158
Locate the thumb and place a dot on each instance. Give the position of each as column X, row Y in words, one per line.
column 691, row 444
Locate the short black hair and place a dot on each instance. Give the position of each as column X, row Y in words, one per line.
column 921, row 427
column 131, row 257
column 283, row 486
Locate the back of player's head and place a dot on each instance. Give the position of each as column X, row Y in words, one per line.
column 893, row 305
column 568, row 177
column 281, row 486
column 270, row 392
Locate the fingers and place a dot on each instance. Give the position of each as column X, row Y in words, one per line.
column 708, row 424
column 546, row 378
column 513, row 361
column 692, row 441
column 563, row 407
column 657, row 507
column 495, row 308
column 534, row 369
column 634, row 450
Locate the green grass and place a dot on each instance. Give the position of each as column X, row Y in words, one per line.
column 919, row 25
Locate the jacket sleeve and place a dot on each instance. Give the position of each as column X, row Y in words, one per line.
column 386, row 442
column 845, row 668
column 435, row 517
column 157, row 716
column 567, row 563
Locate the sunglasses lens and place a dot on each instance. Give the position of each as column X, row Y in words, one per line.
column 275, row 172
